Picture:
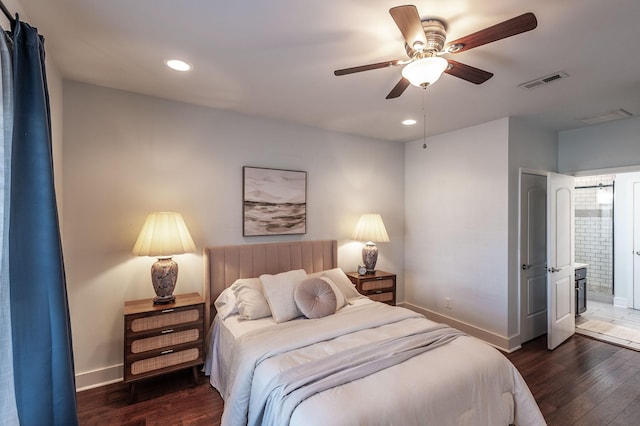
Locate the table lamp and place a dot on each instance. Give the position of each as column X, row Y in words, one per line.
column 370, row 228
column 164, row 235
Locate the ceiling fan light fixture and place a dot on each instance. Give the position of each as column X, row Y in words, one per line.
column 425, row 71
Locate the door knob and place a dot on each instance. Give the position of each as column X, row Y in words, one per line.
column 552, row 269
column 525, row 267
column 638, row 252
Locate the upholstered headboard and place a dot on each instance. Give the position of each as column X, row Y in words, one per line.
column 225, row 264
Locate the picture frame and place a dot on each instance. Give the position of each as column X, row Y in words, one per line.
column 274, row 201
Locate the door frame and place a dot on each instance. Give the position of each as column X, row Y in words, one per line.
column 635, row 243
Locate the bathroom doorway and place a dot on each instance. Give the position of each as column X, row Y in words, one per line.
column 594, row 234
column 607, row 214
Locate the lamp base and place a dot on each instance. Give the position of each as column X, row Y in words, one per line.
column 163, row 300
column 164, row 274
column 370, row 257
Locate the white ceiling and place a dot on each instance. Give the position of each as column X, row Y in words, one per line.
column 275, row 58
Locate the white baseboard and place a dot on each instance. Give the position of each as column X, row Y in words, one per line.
column 620, row 301
column 500, row 342
column 100, row 377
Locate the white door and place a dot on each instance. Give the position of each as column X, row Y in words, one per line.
column 561, row 307
column 533, row 256
column 636, row 245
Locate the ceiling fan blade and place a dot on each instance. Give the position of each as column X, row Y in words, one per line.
column 519, row 24
column 361, row 68
column 467, row 72
column 408, row 21
column 398, row 89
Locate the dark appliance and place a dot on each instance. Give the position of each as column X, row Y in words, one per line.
column 581, row 290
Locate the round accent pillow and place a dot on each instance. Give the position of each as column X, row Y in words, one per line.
column 315, row 298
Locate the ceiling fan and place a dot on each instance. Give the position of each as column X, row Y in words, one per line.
column 425, row 44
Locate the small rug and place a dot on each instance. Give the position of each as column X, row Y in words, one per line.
column 611, row 329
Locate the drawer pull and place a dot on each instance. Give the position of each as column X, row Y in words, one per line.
column 378, row 291
column 167, row 331
column 168, row 351
column 166, row 311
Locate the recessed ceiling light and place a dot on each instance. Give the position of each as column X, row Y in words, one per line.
column 178, row 65
column 409, row 122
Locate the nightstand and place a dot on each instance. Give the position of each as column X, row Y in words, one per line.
column 159, row 339
column 379, row 286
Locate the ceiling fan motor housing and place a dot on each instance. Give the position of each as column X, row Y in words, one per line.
column 436, row 35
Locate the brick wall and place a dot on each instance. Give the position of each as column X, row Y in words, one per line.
column 594, row 232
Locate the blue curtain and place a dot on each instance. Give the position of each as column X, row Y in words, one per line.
column 41, row 332
column 7, row 392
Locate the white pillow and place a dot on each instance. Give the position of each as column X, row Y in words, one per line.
column 226, row 304
column 341, row 280
column 278, row 290
column 249, row 298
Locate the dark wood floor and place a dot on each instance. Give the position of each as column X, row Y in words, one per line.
column 167, row 400
column 582, row 382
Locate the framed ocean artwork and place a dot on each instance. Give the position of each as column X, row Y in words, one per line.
column 274, row 202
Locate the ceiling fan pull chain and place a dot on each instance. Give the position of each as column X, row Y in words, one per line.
column 424, row 119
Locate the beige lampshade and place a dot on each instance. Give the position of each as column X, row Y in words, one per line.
column 371, row 228
column 164, row 234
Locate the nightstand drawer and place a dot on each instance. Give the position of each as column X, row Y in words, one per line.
column 377, row 285
column 164, row 339
column 381, row 297
column 166, row 318
column 169, row 359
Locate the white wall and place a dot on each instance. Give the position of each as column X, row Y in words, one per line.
column 615, row 144
column 461, row 204
column 456, row 210
column 126, row 155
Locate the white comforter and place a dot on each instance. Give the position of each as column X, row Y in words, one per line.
column 464, row 382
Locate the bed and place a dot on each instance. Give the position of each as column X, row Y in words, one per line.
column 341, row 359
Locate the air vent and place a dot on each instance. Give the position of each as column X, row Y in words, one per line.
column 544, row 80
column 607, row 116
